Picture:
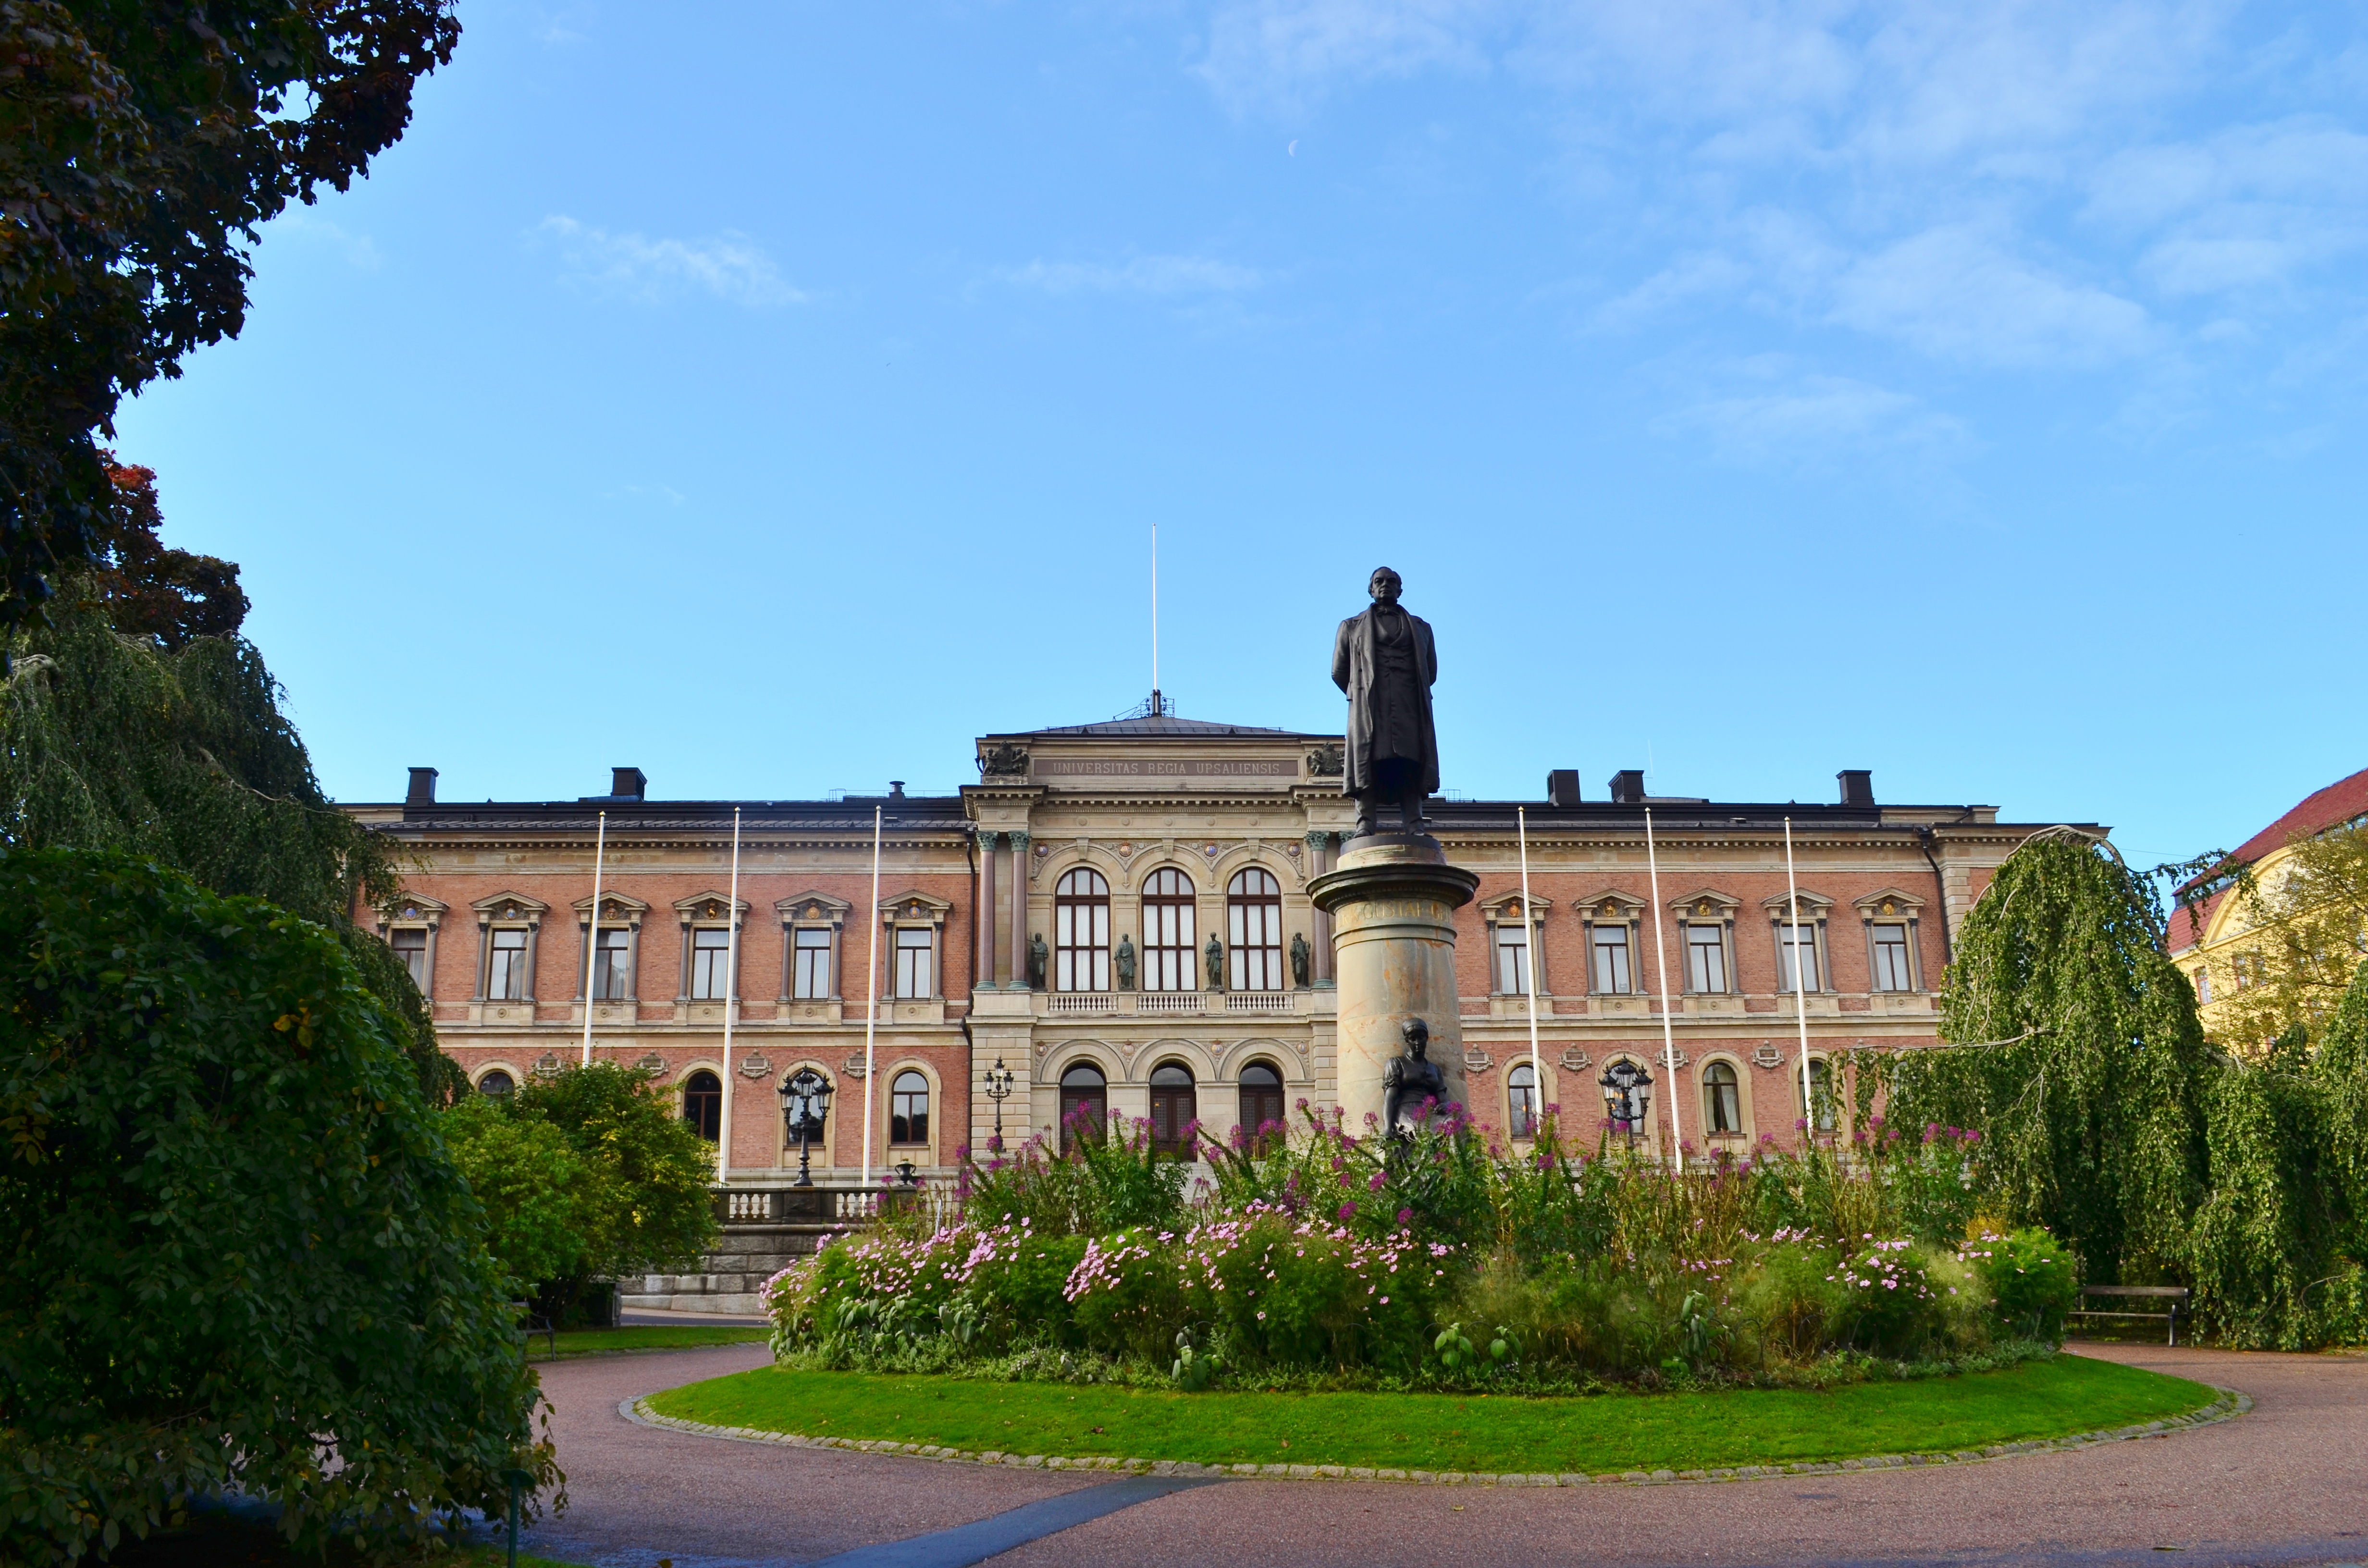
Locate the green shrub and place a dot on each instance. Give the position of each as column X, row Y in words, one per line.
column 1892, row 1306
column 533, row 1187
column 2032, row 1279
column 234, row 1231
column 1794, row 1300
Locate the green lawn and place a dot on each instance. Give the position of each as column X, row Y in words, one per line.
column 1447, row 1432
column 669, row 1336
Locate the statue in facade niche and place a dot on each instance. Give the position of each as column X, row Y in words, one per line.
column 1300, row 956
column 1038, row 957
column 1125, row 961
column 1408, row 1081
column 1212, row 958
column 1386, row 662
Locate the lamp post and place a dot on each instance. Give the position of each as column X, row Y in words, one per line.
column 998, row 1089
column 805, row 1100
column 1630, row 1089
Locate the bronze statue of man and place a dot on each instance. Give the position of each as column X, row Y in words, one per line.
column 1386, row 662
column 1408, row 1081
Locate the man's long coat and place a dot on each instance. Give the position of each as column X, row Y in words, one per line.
column 1353, row 667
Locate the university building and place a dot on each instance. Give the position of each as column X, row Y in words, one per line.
column 1116, row 916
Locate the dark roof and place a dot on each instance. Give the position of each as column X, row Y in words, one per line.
column 1164, row 725
column 1672, row 814
column 929, row 813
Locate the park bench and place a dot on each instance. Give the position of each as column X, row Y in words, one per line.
column 2168, row 1296
column 536, row 1323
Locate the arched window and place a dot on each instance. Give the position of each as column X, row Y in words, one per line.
column 1521, row 1091
column 1262, row 1113
column 1722, row 1100
column 1173, row 1107
column 1081, row 939
column 1169, row 932
column 497, row 1083
column 1254, row 911
column 1085, row 1103
column 908, row 1109
column 703, row 1103
column 1825, row 1106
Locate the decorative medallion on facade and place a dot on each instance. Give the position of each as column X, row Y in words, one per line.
column 1768, row 1056
column 1704, row 907
column 853, row 1066
column 1325, row 762
column 653, row 1063
column 1006, row 761
column 754, row 1065
column 547, row 1066
column 1572, row 1061
column 1476, row 1060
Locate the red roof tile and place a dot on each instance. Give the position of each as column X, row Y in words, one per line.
column 2338, row 803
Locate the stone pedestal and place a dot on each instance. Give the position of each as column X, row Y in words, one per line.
column 1393, row 900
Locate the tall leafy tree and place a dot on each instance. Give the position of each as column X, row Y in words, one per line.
column 141, row 144
column 2078, row 1053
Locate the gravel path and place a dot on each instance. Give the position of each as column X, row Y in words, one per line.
column 2285, row 1484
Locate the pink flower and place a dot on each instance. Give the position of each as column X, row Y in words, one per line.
column 1405, row 1215
column 1380, row 1180
column 1348, row 1213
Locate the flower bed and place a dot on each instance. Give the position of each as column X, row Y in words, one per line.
column 1439, row 1260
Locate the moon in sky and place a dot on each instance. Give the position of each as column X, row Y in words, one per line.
column 1293, row 149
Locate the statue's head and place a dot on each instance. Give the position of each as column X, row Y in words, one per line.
column 1386, row 586
column 1416, row 1034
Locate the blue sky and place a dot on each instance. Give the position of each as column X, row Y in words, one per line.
column 776, row 396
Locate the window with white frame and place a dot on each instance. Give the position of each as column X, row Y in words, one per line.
column 1081, row 938
column 1722, row 1098
column 1512, row 956
column 1613, row 976
column 1254, row 916
column 1706, row 956
column 1797, row 955
column 410, row 944
column 506, row 964
column 915, row 975
column 710, row 952
column 810, row 963
column 1892, row 969
column 612, row 965
column 908, row 1109
column 1170, row 959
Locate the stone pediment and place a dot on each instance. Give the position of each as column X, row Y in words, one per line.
column 812, row 907
column 1814, row 906
column 614, row 906
column 1890, row 904
column 914, row 905
column 1706, row 903
column 510, row 907
column 707, row 905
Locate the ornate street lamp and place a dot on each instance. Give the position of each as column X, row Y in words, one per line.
column 806, row 1101
column 998, row 1089
column 1627, row 1091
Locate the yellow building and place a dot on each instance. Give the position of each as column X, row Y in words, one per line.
column 2214, row 942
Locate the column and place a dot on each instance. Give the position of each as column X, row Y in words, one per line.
column 1319, row 856
column 987, row 972
column 1018, row 910
column 1396, row 903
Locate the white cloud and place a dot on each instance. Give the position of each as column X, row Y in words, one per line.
column 1151, row 274
column 730, row 265
column 1955, row 294
column 1687, row 278
column 1810, row 419
column 1284, row 53
column 359, row 251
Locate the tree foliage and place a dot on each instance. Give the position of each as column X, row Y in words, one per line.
column 141, row 144
column 2305, row 923
column 184, row 756
column 237, row 1251
column 2084, row 1057
column 590, row 1176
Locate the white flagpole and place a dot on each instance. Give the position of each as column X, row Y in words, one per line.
column 731, row 1007
column 1537, row 1073
column 592, row 931
column 871, row 998
column 1154, row 611
column 1800, row 992
column 1661, row 979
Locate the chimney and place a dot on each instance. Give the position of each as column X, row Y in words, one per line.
column 1628, row 787
column 423, row 788
column 895, row 788
column 1562, row 787
column 1858, row 786
column 627, row 784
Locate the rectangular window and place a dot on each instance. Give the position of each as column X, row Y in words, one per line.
column 1891, row 970
column 1797, row 954
column 913, row 962
column 810, row 964
column 411, row 947
column 1706, row 959
column 709, row 953
column 611, row 965
column 2203, row 984
column 1612, row 961
column 1512, row 961
column 505, row 975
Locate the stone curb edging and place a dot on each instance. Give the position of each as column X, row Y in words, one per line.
column 2226, row 1407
